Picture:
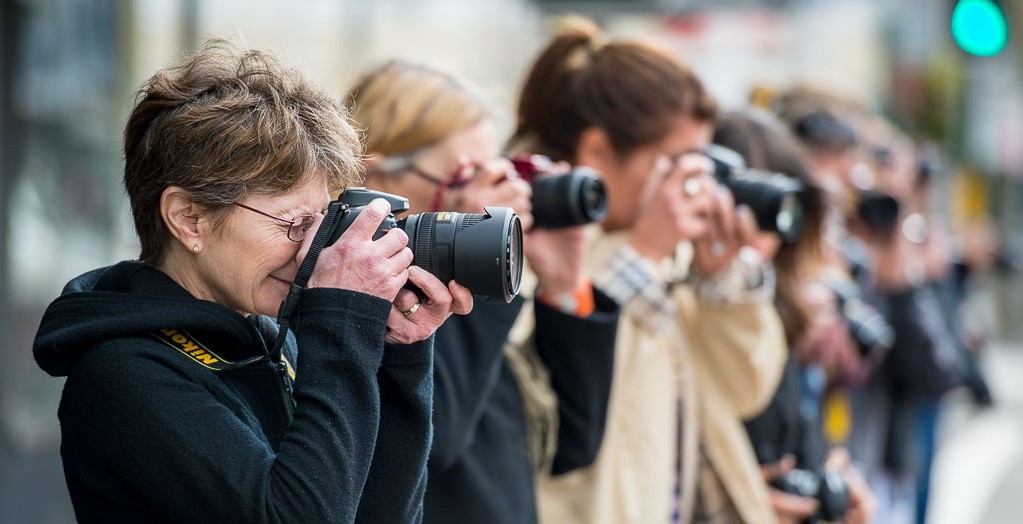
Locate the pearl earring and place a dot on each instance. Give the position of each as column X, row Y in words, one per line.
column 195, row 248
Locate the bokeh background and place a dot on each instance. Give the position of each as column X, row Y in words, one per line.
column 69, row 69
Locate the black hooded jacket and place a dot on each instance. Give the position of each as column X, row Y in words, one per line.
column 174, row 411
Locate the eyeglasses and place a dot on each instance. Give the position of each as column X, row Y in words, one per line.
column 297, row 227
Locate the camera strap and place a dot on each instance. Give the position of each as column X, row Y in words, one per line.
column 287, row 309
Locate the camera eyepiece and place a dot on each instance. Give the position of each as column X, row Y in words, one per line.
column 571, row 199
column 482, row 251
column 775, row 199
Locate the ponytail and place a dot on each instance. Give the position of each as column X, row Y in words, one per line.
column 630, row 90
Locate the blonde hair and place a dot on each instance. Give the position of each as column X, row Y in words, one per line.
column 403, row 106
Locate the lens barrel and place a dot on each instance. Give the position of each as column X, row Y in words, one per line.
column 562, row 200
column 481, row 251
column 573, row 199
column 775, row 199
column 877, row 210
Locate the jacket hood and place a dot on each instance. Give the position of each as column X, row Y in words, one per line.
column 131, row 299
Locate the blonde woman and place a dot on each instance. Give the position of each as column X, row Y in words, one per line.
column 520, row 389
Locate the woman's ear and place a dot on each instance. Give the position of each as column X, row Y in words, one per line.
column 596, row 150
column 181, row 216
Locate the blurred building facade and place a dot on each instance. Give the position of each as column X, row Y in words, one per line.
column 68, row 71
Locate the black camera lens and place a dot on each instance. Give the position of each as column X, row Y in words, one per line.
column 573, row 199
column 877, row 210
column 775, row 199
column 867, row 325
column 481, row 251
column 562, row 200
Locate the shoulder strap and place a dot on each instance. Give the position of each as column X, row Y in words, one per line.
column 334, row 212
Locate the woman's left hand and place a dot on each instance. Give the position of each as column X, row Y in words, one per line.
column 862, row 502
column 413, row 319
column 557, row 257
column 731, row 228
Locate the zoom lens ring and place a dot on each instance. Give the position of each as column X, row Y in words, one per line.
column 423, row 251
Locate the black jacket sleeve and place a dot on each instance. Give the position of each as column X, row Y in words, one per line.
column 397, row 479
column 579, row 354
column 923, row 360
column 200, row 459
column 469, row 353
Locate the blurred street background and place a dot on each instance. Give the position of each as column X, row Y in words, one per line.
column 69, row 69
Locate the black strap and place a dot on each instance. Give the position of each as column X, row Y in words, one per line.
column 334, row 213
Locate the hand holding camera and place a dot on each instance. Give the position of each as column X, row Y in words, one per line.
column 360, row 262
column 676, row 203
column 488, row 184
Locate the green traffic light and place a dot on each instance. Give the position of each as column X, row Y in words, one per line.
column 979, row 27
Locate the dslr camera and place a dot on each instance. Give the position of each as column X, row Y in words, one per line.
column 562, row 200
column 869, row 328
column 877, row 210
column 775, row 199
column 827, row 487
column 482, row 251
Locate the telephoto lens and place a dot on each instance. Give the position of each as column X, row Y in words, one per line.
column 481, row 251
column 562, row 200
column 775, row 199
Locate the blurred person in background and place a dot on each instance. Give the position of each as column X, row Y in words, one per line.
column 895, row 259
column 521, row 389
column 178, row 404
column 700, row 346
column 788, row 434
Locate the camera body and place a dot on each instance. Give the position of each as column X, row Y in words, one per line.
column 869, row 328
column 775, row 199
column 827, row 487
column 482, row 251
column 562, row 200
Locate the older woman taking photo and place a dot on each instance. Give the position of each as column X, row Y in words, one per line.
column 178, row 404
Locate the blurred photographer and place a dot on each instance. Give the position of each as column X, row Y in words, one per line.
column 182, row 402
column 700, row 345
column 521, row 389
column 807, row 481
column 894, row 258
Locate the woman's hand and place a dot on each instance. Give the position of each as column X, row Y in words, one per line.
column 491, row 185
column 862, row 503
column 789, row 508
column 359, row 263
column 557, row 257
column 730, row 228
column 413, row 319
column 675, row 205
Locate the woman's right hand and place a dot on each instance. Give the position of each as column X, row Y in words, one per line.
column 491, row 185
column 359, row 263
column 676, row 204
